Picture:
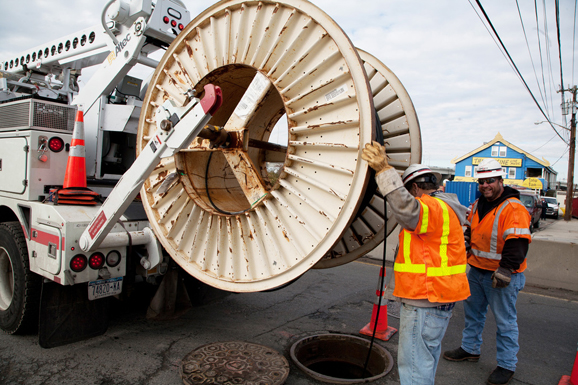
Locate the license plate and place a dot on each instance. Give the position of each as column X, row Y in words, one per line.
column 104, row 288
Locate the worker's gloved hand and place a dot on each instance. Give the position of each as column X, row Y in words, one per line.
column 374, row 154
column 501, row 277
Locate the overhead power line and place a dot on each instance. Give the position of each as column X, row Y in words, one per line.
column 559, row 50
column 516, row 69
column 574, row 39
column 559, row 44
column 540, row 50
column 531, row 59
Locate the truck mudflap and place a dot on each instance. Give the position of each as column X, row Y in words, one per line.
column 67, row 315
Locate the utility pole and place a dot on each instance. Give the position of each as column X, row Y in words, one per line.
column 571, row 155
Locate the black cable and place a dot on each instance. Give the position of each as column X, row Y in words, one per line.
column 540, row 49
column 559, row 46
column 531, row 152
column 492, row 36
column 530, row 54
column 209, row 195
column 517, row 70
column 548, row 53
column 123, row 94
column 381, row 287
column 564, row 153
column 574, row 39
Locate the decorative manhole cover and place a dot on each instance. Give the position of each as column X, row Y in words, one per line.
column 234, row 363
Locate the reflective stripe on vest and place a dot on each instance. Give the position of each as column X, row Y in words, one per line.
column 444, row 269
column 493, row 253
column 424, row 219
column 419, row 268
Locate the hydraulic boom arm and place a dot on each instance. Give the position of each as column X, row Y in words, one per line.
column 176, row 129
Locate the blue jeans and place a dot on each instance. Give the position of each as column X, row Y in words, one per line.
column 420, row 339
column 503, row 304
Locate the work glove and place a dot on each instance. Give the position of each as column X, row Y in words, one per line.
column 501, row 277
column 374, row 154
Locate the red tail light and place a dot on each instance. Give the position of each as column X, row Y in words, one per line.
column 56, row 144
column 78, row 263
column 96, row 260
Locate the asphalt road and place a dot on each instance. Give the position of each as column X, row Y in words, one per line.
column 135, row 350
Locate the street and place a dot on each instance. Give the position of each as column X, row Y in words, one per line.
column 135, row 350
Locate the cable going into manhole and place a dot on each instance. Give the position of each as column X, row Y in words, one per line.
column 379, row 137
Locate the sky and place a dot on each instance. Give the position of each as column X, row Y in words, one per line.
column 462, row 87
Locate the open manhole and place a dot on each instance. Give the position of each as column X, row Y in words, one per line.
column 340, row 359
column 234, row 362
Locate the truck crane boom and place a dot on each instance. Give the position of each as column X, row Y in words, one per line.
column 176, row 129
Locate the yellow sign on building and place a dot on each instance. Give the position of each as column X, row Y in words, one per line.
column 504, row 162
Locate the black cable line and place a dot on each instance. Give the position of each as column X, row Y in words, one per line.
column 531, row 152
column 557, row 4
column 490, row 33
column 540, row 50
column 517, row 70
column 548, row 53
column 209, row 195
column 574, row 40
column 381, row 288
column 564, row 153
column 530, row 53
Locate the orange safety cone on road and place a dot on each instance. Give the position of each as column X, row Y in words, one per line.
column 379, row 321
column 572, row 379
column 74, row 189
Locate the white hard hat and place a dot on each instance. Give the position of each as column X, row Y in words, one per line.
column 416, row 170
column 488, row 168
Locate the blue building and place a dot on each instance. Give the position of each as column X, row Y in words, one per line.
column 521, row 168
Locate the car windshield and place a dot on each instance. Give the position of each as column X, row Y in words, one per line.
column 551, row 200
column 527, row 200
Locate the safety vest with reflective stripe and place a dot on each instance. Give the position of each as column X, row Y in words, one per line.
column 508, row 220
column 431, row 261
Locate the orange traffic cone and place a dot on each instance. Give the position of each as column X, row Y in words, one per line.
column 572, row 379
column 379, row 321
column 75, row 176
column 74, row 189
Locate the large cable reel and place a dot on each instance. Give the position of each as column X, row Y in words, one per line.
column 402, row 138
column 225, row 219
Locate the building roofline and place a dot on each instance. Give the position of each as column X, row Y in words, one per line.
column 500, row 138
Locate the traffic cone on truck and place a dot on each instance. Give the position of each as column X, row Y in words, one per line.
column 74, row 190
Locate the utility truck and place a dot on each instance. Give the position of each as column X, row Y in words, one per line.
column 41, row 252
column 184, row 180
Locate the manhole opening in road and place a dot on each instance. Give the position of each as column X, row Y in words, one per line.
column 234, row 362
column 340, row 358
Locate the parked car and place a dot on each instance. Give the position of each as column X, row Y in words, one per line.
column 553, row 207
column 533, row 205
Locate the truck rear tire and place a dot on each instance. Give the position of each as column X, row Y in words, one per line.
column 19, row 287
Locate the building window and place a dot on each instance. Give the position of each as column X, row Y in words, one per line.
column 512, row 173
column 503, row 151
column 495, row 150
column 468, row 171
column 505, row 170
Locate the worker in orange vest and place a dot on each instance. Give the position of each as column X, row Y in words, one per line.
column 430, row 267
column 500, row 234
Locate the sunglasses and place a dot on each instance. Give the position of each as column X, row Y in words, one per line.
column 487, row 180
